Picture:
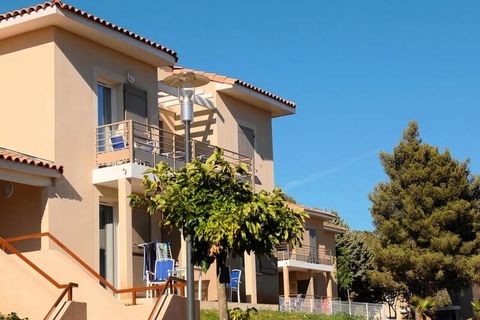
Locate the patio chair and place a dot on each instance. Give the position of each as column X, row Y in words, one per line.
column 117, row 143
column 234, row 284
column 164, row 268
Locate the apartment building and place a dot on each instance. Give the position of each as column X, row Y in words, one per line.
column 309, row 270
column 84, row 114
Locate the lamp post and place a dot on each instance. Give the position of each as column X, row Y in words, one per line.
column 186, row 83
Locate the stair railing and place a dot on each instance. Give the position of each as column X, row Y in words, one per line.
column 133, row 291
column 67, row 288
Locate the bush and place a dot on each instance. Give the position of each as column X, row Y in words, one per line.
column 442, row 299
column 239, row 314
column 11, row 316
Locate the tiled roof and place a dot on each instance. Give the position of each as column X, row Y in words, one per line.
column 70, row 8
column 321, row 212
column 335, row 227
column 10, row 155
column 223, row 79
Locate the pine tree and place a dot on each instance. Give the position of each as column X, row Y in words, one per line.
column 427, row 217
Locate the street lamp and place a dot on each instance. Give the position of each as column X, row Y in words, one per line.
column 186, row 83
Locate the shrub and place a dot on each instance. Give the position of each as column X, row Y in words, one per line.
column 442, row 299
column 239, row 314
column 11, row 316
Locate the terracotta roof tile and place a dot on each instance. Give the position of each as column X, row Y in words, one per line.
column 70, row 8
column 228, row 80
column 324, row 213
column 14, row 156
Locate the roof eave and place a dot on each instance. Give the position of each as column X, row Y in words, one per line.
column 238, row 91
column 54, row 16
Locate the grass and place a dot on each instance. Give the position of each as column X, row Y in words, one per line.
column 266, row 315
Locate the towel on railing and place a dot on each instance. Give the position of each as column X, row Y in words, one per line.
column 149, row 257
column 163, row 251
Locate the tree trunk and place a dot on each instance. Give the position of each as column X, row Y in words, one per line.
column 349, row 302
column 221, row 289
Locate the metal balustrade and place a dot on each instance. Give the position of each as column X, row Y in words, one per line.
column 305, row 253
column 134, row 142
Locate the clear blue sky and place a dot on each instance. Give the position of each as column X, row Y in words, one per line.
column 358, row 70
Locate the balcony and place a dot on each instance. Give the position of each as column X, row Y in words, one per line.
column 306, row 257
column 140, row 145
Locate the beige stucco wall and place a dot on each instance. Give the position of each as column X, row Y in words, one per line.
column 49, row 110
column 325, row 239
column 232, row 113
column 27, row 91
column 79, row 65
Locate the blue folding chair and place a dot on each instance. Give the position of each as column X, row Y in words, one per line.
column 117, row 143
column 164, row 268
column 234, row 284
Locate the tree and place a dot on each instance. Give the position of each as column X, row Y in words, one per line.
column 220, row 211
column 355, row 262
column 427, row 218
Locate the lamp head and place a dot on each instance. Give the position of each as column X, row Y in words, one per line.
column 186, row 95
column 186, row 83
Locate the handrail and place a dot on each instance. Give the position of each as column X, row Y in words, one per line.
column 68, row 288
column 305, row 253
column 95, row 274
column 165, row 287
column 138, row 134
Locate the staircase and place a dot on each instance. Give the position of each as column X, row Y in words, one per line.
column 27, row 286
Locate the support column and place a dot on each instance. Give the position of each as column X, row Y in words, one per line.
column 183, row 252
column 45, row 223
column 329, row 284
column 286, row 283
column 124, row 238
column 311, row 290
column 250, row 278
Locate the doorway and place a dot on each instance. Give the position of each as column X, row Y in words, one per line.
column 107, row 243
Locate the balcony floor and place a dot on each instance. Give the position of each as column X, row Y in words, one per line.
column 298, row 265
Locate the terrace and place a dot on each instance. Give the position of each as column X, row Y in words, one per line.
column 133, row 147
column 305, row 257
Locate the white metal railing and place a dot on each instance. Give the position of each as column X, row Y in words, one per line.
column 328, row 305
column 131, row 141
column 305, row 253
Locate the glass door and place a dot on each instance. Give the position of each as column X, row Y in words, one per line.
column 107, row 243
column 104, row 117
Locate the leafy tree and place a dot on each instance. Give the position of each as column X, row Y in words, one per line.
column 355, row 262
column 221, row 212
column 427, row 218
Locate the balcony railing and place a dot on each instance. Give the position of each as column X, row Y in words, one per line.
column 305, row 253
column 134, row 142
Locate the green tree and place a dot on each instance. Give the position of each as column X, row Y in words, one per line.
column 220, row 211
column 427, row 218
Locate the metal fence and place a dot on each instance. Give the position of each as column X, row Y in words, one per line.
column 305, row 253
column 309, row 304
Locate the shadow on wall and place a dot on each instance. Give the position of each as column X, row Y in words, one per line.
column 63, row 190
column 202, row 124
column 22, row 213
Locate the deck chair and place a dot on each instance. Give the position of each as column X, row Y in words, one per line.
column 117, row 143
column 234, row 284
column 164, row 268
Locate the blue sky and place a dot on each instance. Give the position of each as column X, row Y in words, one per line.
column 358, row 70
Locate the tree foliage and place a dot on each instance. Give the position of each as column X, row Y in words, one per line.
column 357, row 274
column 427, row 218
column 220, row 211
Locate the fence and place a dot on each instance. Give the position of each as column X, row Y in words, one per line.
column 309, row 304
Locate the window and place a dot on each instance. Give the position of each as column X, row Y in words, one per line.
column 104, row 95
